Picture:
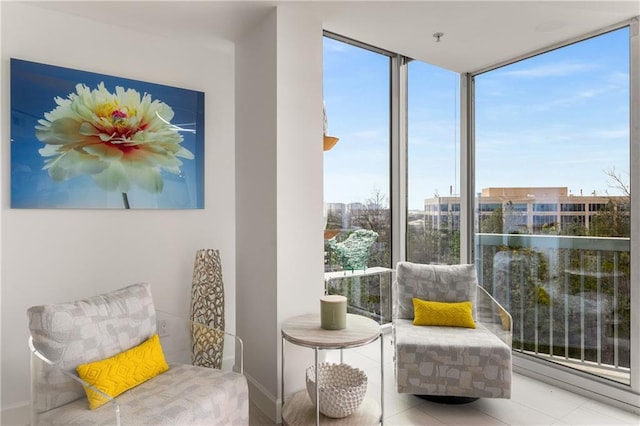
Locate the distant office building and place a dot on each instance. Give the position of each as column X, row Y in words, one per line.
column 524, row 210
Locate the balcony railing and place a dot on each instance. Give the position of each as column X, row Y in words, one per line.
column 569, row 297
column 368, row 291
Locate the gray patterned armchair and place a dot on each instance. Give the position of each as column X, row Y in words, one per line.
column 66, row 335
column 450, row 361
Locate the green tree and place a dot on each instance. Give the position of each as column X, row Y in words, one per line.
column 613, row 220
column 494, row 223
column 375, row 216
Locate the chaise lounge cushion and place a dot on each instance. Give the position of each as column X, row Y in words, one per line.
column 452, row 361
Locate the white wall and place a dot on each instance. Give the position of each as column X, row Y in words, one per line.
column 300, row 165
column 279, row 194
column 256, row 239
column 300, row 181
column 52, row 256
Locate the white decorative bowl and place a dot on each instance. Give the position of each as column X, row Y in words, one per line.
column 341, row 386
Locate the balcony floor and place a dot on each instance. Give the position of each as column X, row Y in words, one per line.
column 532, row 402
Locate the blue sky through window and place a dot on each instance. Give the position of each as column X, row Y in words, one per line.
column 356, row 95
column 558, row 119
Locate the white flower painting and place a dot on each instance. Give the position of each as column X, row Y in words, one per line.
column 118, row 147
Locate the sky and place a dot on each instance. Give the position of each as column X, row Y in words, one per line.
column 557, row 119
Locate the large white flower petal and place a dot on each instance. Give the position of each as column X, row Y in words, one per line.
column 185, row 153
column 106, row 151
column 113, row 178
column 146, row 155
column 87, row 129
column 147, row 178
column 105, row 137
column 49, row 150
column 74, row 163
column 173, row 170
column 62, row 131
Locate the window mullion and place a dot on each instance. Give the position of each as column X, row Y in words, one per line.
column 467, row 168
column 634, row 174
column 398, row 159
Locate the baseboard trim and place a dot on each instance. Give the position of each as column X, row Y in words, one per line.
column 16, row 415
column 602, row 390
column 264, row 400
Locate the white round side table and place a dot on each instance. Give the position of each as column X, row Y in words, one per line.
column 305, row 330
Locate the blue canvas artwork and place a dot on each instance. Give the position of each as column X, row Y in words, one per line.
column 86, row 140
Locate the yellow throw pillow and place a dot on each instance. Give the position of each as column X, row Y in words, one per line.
column 123, row 371
column 455, row 314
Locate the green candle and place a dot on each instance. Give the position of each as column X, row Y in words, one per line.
column 333, row 312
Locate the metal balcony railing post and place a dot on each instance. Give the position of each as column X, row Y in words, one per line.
column 566, row 305
column 615, row 310
column 582, row 307
column 599, row 307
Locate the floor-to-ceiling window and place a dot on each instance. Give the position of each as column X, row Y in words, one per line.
column 547, row 173
column 552, row 182
column 357, row 176
column 433, row 164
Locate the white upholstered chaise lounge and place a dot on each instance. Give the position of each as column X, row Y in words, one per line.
column 446, row 361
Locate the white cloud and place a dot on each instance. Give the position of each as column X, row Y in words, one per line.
column 613, row 133
column 550, row 70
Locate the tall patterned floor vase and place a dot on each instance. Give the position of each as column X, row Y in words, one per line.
column 207, row 310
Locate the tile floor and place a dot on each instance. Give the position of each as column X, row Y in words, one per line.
column 532, row 402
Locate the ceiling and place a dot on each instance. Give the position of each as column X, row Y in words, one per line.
column 477, row 34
